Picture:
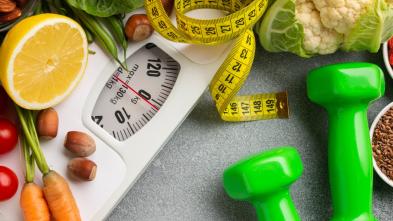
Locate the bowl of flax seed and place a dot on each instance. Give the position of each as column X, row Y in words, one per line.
column 381, row 133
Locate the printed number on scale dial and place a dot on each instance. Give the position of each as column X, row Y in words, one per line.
column 130, row 99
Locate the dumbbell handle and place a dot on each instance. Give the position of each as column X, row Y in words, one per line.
column 276, row 207
column 350, row 163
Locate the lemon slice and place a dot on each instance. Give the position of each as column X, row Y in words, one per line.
column 42, row 59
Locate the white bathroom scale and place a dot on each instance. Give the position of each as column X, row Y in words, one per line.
column 130, row 114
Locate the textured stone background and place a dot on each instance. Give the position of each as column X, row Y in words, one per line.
column 184, row 181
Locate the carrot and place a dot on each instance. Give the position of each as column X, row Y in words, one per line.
column 59, row 197
column 33, row 203
column 57, row 193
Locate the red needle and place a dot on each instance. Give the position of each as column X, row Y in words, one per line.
column 124, row 83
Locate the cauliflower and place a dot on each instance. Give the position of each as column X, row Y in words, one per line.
column 309, row 27
column 317, row 38
column 341, row 15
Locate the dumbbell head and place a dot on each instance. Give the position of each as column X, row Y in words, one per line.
column 263, row 174
column 345, row 83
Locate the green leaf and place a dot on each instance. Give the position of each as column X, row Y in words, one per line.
column 388, row 24
column 280, row 30
column 371, row 29
column 106, row 8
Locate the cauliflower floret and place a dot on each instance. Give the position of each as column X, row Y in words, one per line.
column 317, row 38
column 341, row 15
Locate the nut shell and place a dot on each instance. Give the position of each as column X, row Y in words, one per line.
column 7, row 6
column 47, row 123
column 82, row 168
column 138, row 28
column 80, row 143
column 16, row 13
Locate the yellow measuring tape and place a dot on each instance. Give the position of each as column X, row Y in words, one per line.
column 231, row 75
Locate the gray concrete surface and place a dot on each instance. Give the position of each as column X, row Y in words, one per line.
column 184, row 181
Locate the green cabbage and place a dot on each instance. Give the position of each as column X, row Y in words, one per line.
column 106, row 8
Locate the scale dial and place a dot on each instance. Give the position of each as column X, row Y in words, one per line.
column 130, row 99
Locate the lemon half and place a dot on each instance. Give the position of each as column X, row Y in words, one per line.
column 42, row 59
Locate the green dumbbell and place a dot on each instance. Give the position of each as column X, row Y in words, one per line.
column 264, row 181
column 345, row 91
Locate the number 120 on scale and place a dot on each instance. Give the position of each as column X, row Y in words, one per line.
column 130, row 99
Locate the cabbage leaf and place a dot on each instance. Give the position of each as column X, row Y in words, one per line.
column 388, row 25
column 371, row 29
column 280, row 30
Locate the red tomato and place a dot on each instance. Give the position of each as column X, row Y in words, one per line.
column 8, row 183
column 391, row 56
column 8, row 136
column 390, row 43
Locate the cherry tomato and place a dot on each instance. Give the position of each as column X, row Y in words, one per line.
column 390, row 43
column 391, row 56
column 8, row 136
column 8, row 183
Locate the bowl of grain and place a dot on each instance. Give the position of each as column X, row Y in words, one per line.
column 381, row 133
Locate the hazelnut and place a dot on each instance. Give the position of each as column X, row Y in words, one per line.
column 82, row 168
column 47, row 123
column 7, row 6
column 16, row 13
column 138, row 28
column 168, row 6
column 80, row 143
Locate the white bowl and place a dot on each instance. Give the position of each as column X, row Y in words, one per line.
column 386, row 59
column 377, row 118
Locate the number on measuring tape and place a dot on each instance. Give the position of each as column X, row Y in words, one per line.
column 231, row 75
